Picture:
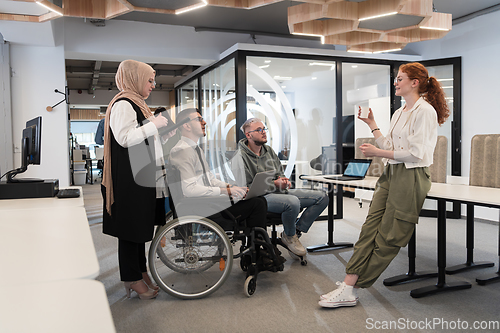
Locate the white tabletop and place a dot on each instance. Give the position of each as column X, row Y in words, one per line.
column 36, row 203
column 464, row 193
column 473, row 194
column 55, row 307
column 46, row 245
column 285, row 162
column 367, row 182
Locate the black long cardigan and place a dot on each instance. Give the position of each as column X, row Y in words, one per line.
column 135, row 210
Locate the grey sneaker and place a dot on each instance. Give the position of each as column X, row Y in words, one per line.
column 293, row 244
column 294, row 256
column 344, row 295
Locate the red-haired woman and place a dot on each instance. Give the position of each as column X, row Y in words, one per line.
column 400, row 192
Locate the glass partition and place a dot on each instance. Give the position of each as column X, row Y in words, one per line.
column 444, row 74
column 218, row 100
column 364, row 85
column 188, row 96
column 295, row 98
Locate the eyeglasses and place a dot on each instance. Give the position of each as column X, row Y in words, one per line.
column 152, row 82
column 399, row 79
column 260, row 130
column 200, row 119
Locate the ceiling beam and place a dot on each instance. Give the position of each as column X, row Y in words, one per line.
column 95, row 76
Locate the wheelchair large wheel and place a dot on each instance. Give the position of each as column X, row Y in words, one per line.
column 196, row 257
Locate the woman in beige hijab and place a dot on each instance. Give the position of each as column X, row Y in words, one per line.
column 133, row 185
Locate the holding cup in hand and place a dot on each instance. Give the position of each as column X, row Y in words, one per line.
column 364, row 111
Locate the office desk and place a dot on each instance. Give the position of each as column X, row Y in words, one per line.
column 44, row 203
column 49, row 244
column 77, row 306
column 471, row 195
column 368, row 184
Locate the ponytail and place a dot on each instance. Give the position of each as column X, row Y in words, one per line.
column 435, row 97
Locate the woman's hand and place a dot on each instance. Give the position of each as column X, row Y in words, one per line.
column 159, row 121
column 167, row 136
column 369, row 150
column 370, row 119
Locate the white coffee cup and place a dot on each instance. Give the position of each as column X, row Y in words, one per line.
column 365, row 110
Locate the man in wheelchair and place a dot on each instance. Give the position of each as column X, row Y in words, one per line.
column 206, row 196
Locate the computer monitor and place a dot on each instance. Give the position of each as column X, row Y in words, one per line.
column 31, row 150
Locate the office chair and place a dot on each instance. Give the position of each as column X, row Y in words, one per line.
column 99, row 155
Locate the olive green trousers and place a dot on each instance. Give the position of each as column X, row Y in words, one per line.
column 397, row 201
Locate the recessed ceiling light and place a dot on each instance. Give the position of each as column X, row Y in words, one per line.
column 267, row 61
column 377, row 16
column 283, row 78
column 51, row 7
column 313, row 78
column 431, row 28
column 189, row 8
column 354, row 66
column 264, row 66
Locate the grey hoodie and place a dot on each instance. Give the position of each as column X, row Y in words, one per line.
column 251, row 163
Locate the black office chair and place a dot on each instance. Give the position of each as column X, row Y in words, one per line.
column 99, row 155
column 191, row 256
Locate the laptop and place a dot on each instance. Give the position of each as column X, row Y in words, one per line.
column 260, row 184
column 356, row 170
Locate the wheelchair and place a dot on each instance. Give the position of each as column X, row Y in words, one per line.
column 191, row 256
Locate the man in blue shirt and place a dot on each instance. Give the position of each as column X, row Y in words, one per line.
column 99, row 135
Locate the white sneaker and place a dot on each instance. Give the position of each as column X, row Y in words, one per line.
column 344, row 295
column 293, row 244
column 338, row 283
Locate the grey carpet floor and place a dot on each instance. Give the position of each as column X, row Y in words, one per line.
column 288, row 301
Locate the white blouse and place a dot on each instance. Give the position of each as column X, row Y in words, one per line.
column 412, row 135
column 127, row 132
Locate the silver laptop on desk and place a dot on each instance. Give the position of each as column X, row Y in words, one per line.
column 260, row 184
column 356, row 170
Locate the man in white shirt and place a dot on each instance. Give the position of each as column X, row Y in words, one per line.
column 197, row 181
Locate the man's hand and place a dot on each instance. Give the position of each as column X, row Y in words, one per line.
column 282, row 183
column 237, row 192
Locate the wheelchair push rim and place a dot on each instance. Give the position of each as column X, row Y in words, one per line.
column 190, row 257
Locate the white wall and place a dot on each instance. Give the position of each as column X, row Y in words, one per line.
column 477, row 41
column 36, row 72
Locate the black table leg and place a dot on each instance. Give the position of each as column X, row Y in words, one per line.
column 441, row 285
column 470, row 264
column 495, row 277
column 411, row 275
column 330, row 245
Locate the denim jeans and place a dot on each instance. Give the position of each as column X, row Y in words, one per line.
column 289, row 205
